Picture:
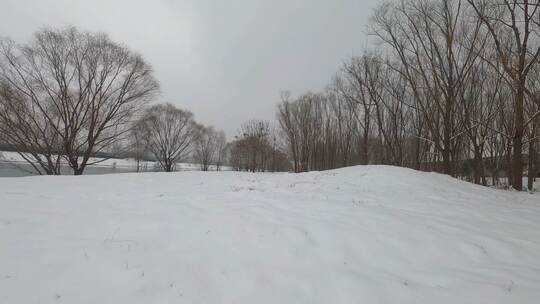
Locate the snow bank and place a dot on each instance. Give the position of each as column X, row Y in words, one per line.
column 370, row 234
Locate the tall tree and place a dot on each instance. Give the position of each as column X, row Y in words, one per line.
column 74, row 92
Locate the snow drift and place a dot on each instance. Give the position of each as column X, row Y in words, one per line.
column 370, row 234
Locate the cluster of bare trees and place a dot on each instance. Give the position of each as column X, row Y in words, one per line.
column 452, row 87
column 257, row 149
column 171, row 135
column 210, row 148
column 68, row 95
column 321, row 131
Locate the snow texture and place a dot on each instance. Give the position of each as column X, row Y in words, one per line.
column 371, row 234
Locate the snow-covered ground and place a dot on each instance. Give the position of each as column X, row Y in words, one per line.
column 370, row 234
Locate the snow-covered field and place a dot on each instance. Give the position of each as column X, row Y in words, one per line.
column 370, row 234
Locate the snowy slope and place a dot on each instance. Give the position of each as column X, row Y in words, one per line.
column 358, row 235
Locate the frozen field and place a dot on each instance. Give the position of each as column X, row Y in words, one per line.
column 370, row 234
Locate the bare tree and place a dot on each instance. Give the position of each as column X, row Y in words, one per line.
column 169, row 132
column 353, row 84
column 221, row 150
column 77, row 92
column 26, row 130
column 208, row 144
column 138, row 142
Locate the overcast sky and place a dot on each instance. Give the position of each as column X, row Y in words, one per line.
column 226, row 61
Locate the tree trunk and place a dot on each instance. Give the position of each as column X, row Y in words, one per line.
column 532, row 168
column 478, row 166
column 517, row 143
column 447, row 164
column 364, row 150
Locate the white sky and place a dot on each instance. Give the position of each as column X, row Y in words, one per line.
column 226, row 61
